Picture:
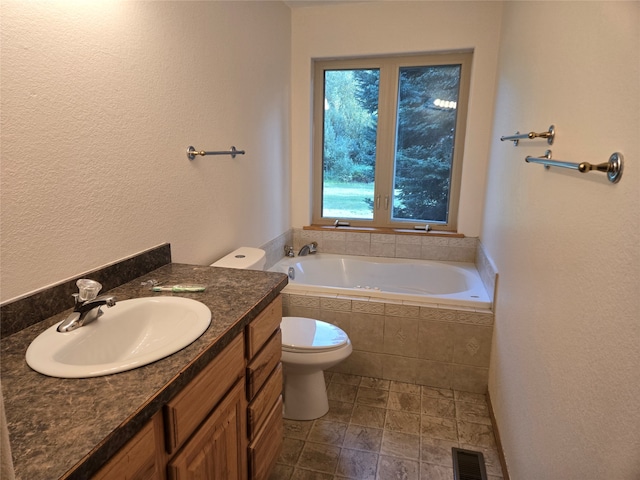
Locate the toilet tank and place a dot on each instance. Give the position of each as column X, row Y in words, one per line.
column 246, row 258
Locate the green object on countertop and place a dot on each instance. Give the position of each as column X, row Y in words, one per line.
column 180, row 288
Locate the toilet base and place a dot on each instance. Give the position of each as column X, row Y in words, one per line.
column 305, row 395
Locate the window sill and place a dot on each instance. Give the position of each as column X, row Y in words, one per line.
column 385, row 231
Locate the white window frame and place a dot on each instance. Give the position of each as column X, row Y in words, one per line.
column 389, row 67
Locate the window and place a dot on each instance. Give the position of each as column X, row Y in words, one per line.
column 388, row 140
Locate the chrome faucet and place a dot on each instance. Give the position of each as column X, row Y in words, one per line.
column 308, row 248
column 88, row 306
column 288, row 251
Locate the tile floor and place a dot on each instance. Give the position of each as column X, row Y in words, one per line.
column 386, row 430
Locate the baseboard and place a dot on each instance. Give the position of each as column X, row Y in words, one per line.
column 503, row 462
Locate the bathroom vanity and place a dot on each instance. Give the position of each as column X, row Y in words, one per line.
column 214, row 406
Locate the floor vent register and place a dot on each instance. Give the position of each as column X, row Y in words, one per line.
column 468, row 465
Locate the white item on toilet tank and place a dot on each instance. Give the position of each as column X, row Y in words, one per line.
column 245, row 258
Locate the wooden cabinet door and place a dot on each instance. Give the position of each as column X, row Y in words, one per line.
column 217, row 449
column 139, row 458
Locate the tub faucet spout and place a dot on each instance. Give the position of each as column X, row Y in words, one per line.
column 309, row 248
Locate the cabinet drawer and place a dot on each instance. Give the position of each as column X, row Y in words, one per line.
column 262, row 404
column 265, row 449
column 137, row 460
column 262, row 327
column 189, row 408
column 263, row 364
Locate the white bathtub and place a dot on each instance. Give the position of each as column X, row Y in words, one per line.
column 422, row 281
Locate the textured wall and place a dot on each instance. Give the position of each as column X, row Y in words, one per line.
column 564, row 378
column 375, row 28
column 100, row 101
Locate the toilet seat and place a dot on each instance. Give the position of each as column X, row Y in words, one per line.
column 302, row 335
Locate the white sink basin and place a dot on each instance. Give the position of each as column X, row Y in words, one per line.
column 128, row 335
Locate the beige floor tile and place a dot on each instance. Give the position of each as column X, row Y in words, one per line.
column 342, row 392
column 405, row 402
column 403, row 387
column 281, row 472
column 436, row 427
column 291, row 449
column 357, row 464
column 470, row 397
column 327, row 376
column 435, row 472
column 437, row 392
column 368, row 416
column 318, row 457
column 398, row 444
column 398, row 468
column 438, row 407
column 437, row 451
column 338, row 411
column 402, row 422
column 387, row 430
column 473, row 412
column 378, row 383
column 331, row 433
column 476, row 434
column 297, row 429
column 359, row 437
column 345, row 378
column 373, row 397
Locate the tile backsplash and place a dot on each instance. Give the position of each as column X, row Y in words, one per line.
column 418, row 246
column 34, row 307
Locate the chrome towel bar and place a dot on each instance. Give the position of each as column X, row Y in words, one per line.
column 613, row 168
column 549, row 135
column 192, row 152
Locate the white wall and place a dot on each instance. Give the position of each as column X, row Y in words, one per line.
column 564, row 376
column 344, row 30
column 100, row 101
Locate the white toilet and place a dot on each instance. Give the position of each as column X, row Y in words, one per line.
column 308, row 348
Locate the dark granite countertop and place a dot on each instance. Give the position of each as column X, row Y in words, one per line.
column 68, row 428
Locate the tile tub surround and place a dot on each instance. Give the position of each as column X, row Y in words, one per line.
column 34, row 307
column 274, row 249
column 419, row 245
column 71, row 427
column 381, row 429
column 412, row 343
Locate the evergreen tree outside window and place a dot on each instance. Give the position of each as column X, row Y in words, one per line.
column 388, row 140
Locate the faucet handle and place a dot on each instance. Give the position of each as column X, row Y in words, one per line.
column 88, row 289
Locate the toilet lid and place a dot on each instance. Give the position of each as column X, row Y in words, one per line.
column 307, row 334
